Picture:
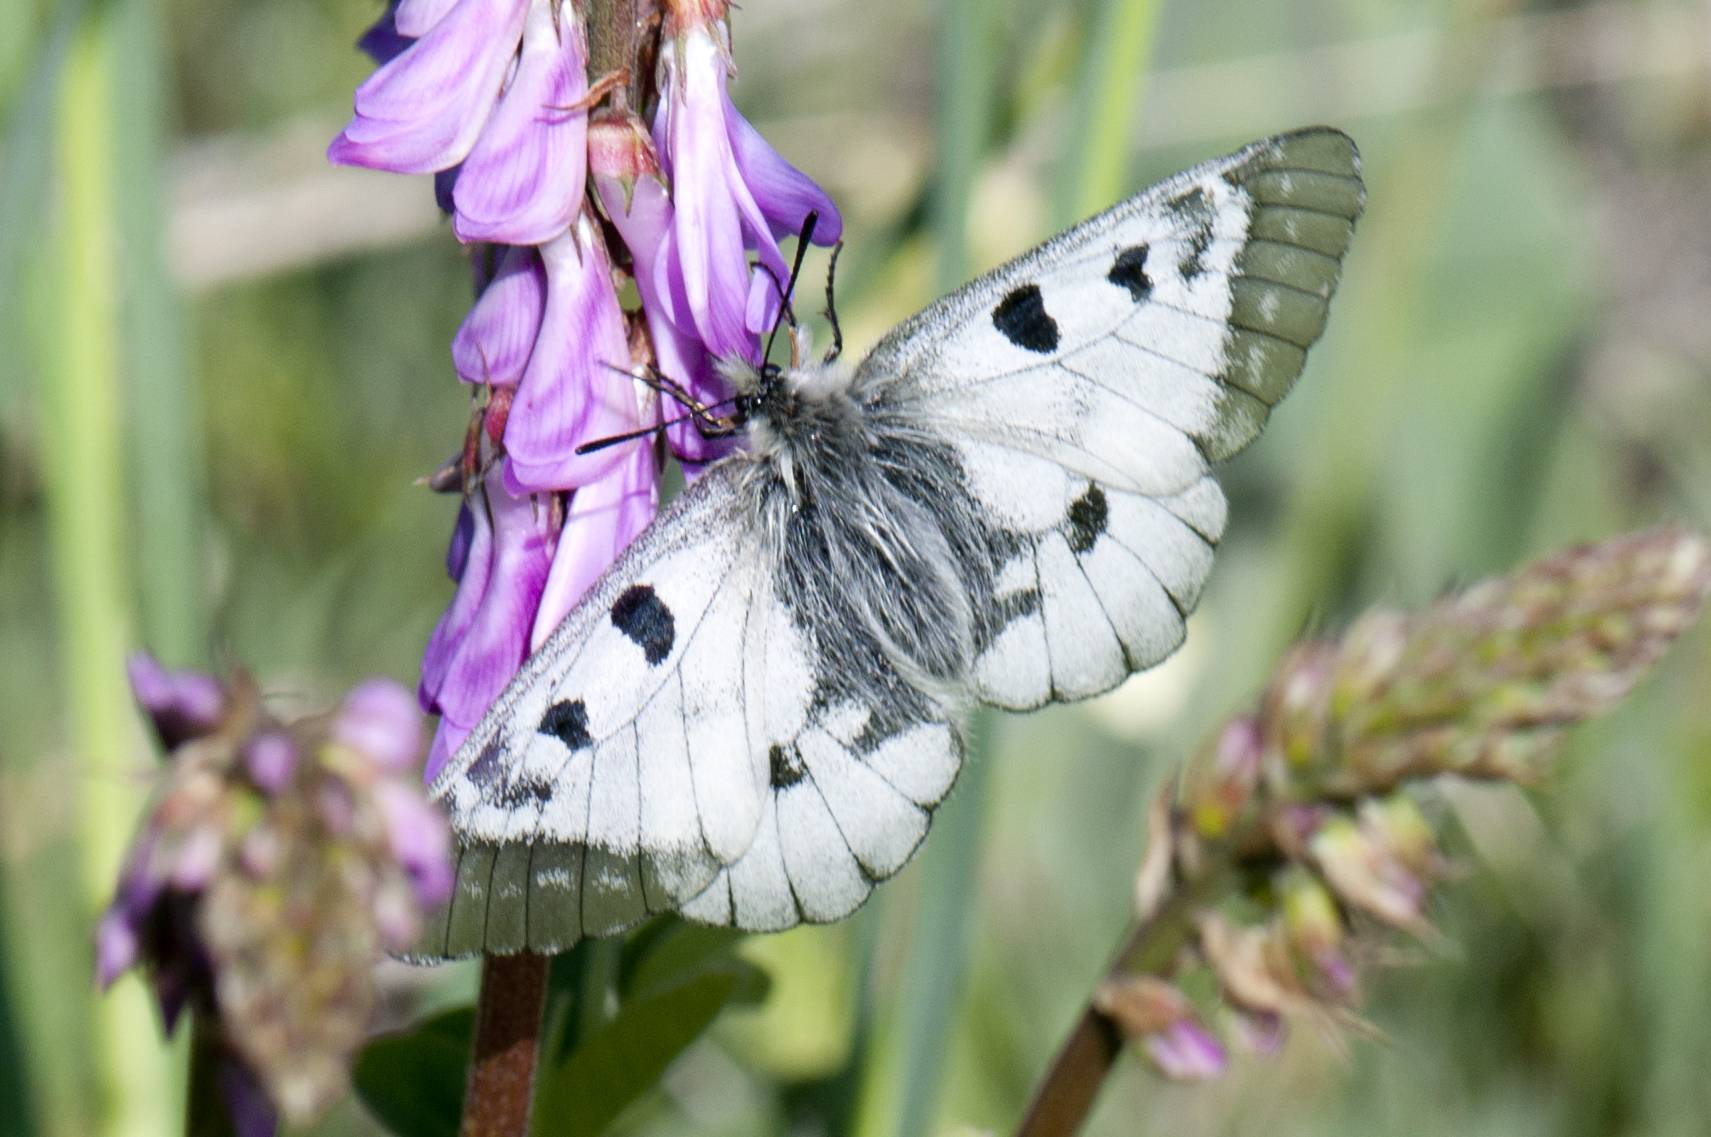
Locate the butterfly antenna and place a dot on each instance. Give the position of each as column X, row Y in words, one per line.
column 802, row 242
column 832, row 306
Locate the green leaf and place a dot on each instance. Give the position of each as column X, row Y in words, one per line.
column 667, row 951
column 621, row 1061
column 413, row 1082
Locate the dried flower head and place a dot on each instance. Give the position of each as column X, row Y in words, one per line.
column 1306, row 810
column 278, row 861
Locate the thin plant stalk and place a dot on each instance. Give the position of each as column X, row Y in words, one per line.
column 80, row 400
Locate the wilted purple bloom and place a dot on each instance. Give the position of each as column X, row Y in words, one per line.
column 271, row 759
column 483, row 637
column 495, row 341
column 576, row 387
column 733, row 194
column 246, row 898
column 380, row 719
column 180, row 704
column 1185, row 1051
column 420, row 841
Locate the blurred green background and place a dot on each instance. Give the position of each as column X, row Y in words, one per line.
column 222, row 364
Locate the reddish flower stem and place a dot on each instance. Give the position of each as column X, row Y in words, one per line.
column 1065, row 1096
column 501, row 1085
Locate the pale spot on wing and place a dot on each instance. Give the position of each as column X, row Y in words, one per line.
column 881, row 826
column 1085, row 655
column 920, row 762
column 1203, row 506
column 1017, row 490
column 564, row 816
column 824, row 875
column 1015, row 671
column 1179, row 557
column 615, row 807
column 760, row 889
column 1135, row 604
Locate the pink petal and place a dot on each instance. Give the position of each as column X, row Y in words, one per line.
column 495, row 642
column 522, row 182
column 497, row 337
column 454, row 624
column 604, row 518
column 576, row 388
column 784, row 194
column 422, row 111
column 416, row 18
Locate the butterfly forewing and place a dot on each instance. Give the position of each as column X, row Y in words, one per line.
column 1089, row 384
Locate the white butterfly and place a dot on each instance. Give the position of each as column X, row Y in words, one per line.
column 752, row 716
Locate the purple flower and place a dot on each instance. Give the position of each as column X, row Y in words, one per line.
column 483, row 637
column 626, row 173
column 424, row 108
column 602, row 520
column 277, row 863
column 497, row 337
column 463, row 95
column 733, row 194
column 522, row 181
column 421, row 842
column 576, row 387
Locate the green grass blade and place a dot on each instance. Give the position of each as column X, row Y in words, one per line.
column 79, row 401
column 166, row 468
column 1094, row 170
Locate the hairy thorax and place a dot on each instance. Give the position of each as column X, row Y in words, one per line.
column 866, row 523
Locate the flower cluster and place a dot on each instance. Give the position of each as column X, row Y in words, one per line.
column 1299, row 833
column 278, row 861
column 563, row 183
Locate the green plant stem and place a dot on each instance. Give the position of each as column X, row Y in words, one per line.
column 80, row 402
column 503, row 1060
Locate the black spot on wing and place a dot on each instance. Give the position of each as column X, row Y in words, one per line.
column 640, row 614
column 1024, row 321
column 567, row 721
column 1088, row 515
column 515, row 795
column 1194, row 263
column 485, row 769
column 786, row 766
column 1129, row 271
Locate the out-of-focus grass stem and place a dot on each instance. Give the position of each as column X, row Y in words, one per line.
column 1094, row 169
column 81, row 454
column 166, row 467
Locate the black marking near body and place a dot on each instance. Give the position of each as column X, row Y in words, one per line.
column 786, row 767
column 640, row 614
column 1024, row 321
column 567, row 721
column 486, row 768
column 1129, row 271
column 1193, row 264
column 517, row 794
column 1016, row 605
column 1088, row 516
